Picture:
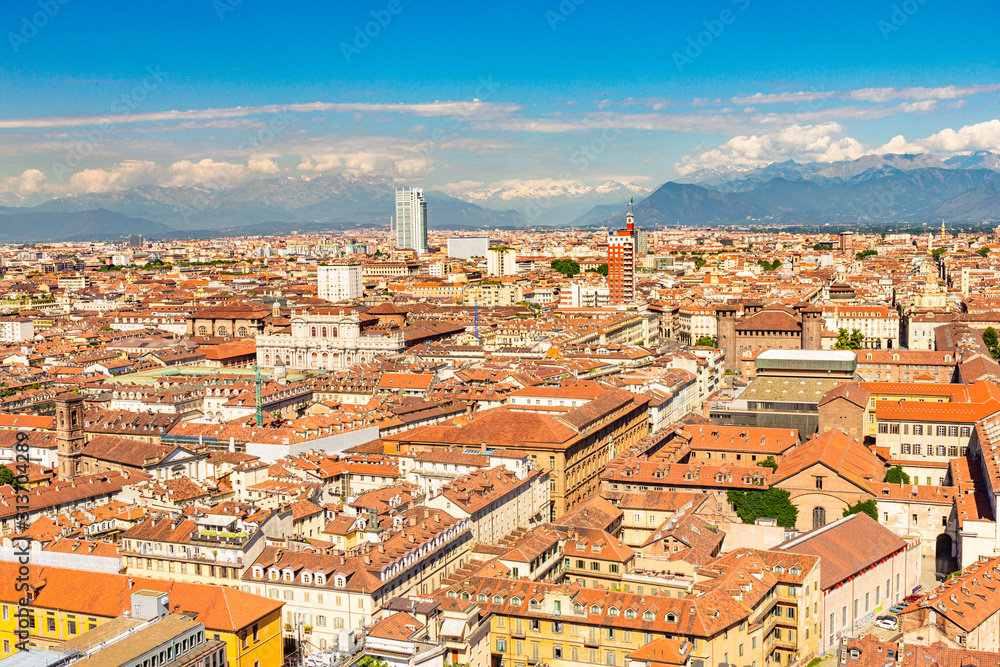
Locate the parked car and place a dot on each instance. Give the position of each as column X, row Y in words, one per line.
column 895, row 609
column 887, row 623
column 912, row 598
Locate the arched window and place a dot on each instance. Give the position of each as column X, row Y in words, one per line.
column 242, row 332
column 819, row 517
column 312, row 331
column 222, row 331
column 203, row 331
column 323, row 331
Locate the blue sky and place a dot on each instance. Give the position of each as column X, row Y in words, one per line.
column 460, row 96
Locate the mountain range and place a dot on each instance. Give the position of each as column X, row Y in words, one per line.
column 874, row 189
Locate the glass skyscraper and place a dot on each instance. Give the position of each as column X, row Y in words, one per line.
column 411, row 219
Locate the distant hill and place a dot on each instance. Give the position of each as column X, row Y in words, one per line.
column 96, row 225
column 363, row 201
column 872, row 189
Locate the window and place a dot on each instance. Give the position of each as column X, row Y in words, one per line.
column 242, row 332
column 916, row 449
column 819, row 517
column 904, row 449
column 501, row 645
column 918, row 429
column 557, row 651
column 51, row 624
column 966, row 431
column 941, row 450
column 71, row 626
column 953, row 431
column 819, row 482
column 941, row 430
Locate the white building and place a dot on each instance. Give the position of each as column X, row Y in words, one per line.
column 15, row 330
column 339, row 282
column 501, row 262
column 411, row 219
column 326, row 338
column 468, row 247
column 576, row 295
column 879, row 324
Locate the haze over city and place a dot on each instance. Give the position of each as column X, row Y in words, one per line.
column 529, row 334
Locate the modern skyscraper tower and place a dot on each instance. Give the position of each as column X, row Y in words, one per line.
column 411, row 219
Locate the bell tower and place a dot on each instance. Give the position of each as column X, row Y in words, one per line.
column 69, row 434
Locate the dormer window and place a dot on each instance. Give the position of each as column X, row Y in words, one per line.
column 578, row 608
column 648, row 616
column 793, row 570
column 516, row 601
column 594, row 609
column 320, row 579
column 272, row 575
column 306, row 578
column 340, row 581
column 258, row 572
column 630, row 613
column 497, row 599
column 596, row 548
column 613, row 611
column 671, row 617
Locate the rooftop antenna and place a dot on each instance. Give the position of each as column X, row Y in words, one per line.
column 258, row 380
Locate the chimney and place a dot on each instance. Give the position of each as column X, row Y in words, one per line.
column 482, row 447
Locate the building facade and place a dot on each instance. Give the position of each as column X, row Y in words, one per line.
column 339, row 282
column 411, row 219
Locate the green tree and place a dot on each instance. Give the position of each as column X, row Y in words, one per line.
column 567, row 267
column 937, row 252
column 601, row 269
column 866, row 253
column 849, row 341
column 705, row 341
column 895, row 475
column 772, row 503
column 7, row 476
column 769, row 266
column 700, row 263
column 369, row 661
column 863, row 507
column 769, row 462
column 992, row 342
column 982, row 252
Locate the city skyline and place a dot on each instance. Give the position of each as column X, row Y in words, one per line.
column 735, row 84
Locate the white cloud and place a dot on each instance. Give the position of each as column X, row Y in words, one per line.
column 809, row 143
column 920, row 93
column 476, row 109
column 30, row 181
column 783, row 98
column 979, row 137
column 401, row 164
column 125, row 175
column 263, row 166
column 459, row 186
column 208, row 172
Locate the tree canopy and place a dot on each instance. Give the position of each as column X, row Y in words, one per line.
column 863, row 507
column 866, row 253
column 7, row 476
column 567, row 267
column 769, row 462
column 992, row 343
column 705, row 341
column 895, row 475
column 602, row 269
column 849, row 341
column 769, row 266
column 772, row 503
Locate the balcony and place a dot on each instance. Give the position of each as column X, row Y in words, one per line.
column 591, row 639
column 517, row 633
